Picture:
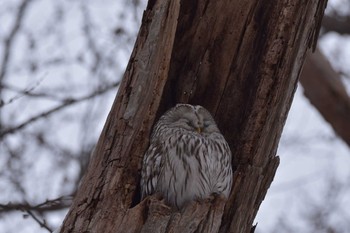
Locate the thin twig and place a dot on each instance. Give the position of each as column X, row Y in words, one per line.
column 8, row 42
column 67, row 102
column 10, row 39
column 87, row 25
column 36, row 219
column 26, row 92
column 49, row 205
column 59, row 203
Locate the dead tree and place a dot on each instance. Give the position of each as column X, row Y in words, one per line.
column 239, row 59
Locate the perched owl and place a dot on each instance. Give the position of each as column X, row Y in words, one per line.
column 188, row 158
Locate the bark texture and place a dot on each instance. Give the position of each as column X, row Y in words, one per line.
column 239, row 59
column 323, row 87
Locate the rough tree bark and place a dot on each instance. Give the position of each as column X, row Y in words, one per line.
column 239, row 59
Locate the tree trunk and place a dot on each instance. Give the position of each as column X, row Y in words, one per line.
column 240, row 60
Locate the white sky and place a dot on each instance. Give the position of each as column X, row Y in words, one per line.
column 310, row 152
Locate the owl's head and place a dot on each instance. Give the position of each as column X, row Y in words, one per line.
column 193, row 118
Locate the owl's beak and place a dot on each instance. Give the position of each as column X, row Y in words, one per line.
column 199, row 129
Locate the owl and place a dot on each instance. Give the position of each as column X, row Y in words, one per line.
column 188, row 158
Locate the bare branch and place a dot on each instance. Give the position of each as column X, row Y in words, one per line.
column 42, row 223
column 90, row 38
column 59, row 203
column 337, row 24
column 323, row 87
column 67, row 102
column 49, row 205
column 10, row 39
column 26, row 92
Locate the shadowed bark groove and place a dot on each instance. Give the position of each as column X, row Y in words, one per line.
column 241, row 60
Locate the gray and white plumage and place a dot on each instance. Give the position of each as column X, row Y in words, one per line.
column 188, row 158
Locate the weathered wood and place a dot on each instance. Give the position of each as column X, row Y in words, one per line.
column 243, row 66
column 109, row 186
column 239, row 59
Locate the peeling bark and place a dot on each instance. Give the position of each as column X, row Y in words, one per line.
column 241, row 60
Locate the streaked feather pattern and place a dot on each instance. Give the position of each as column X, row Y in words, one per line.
column 188, row 158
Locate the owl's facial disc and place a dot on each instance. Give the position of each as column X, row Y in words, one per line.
column 193, row 118
column 198, row 126
column 196, row 123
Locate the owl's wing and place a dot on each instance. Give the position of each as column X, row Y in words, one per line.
column 150, row 170
column 224, row 172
